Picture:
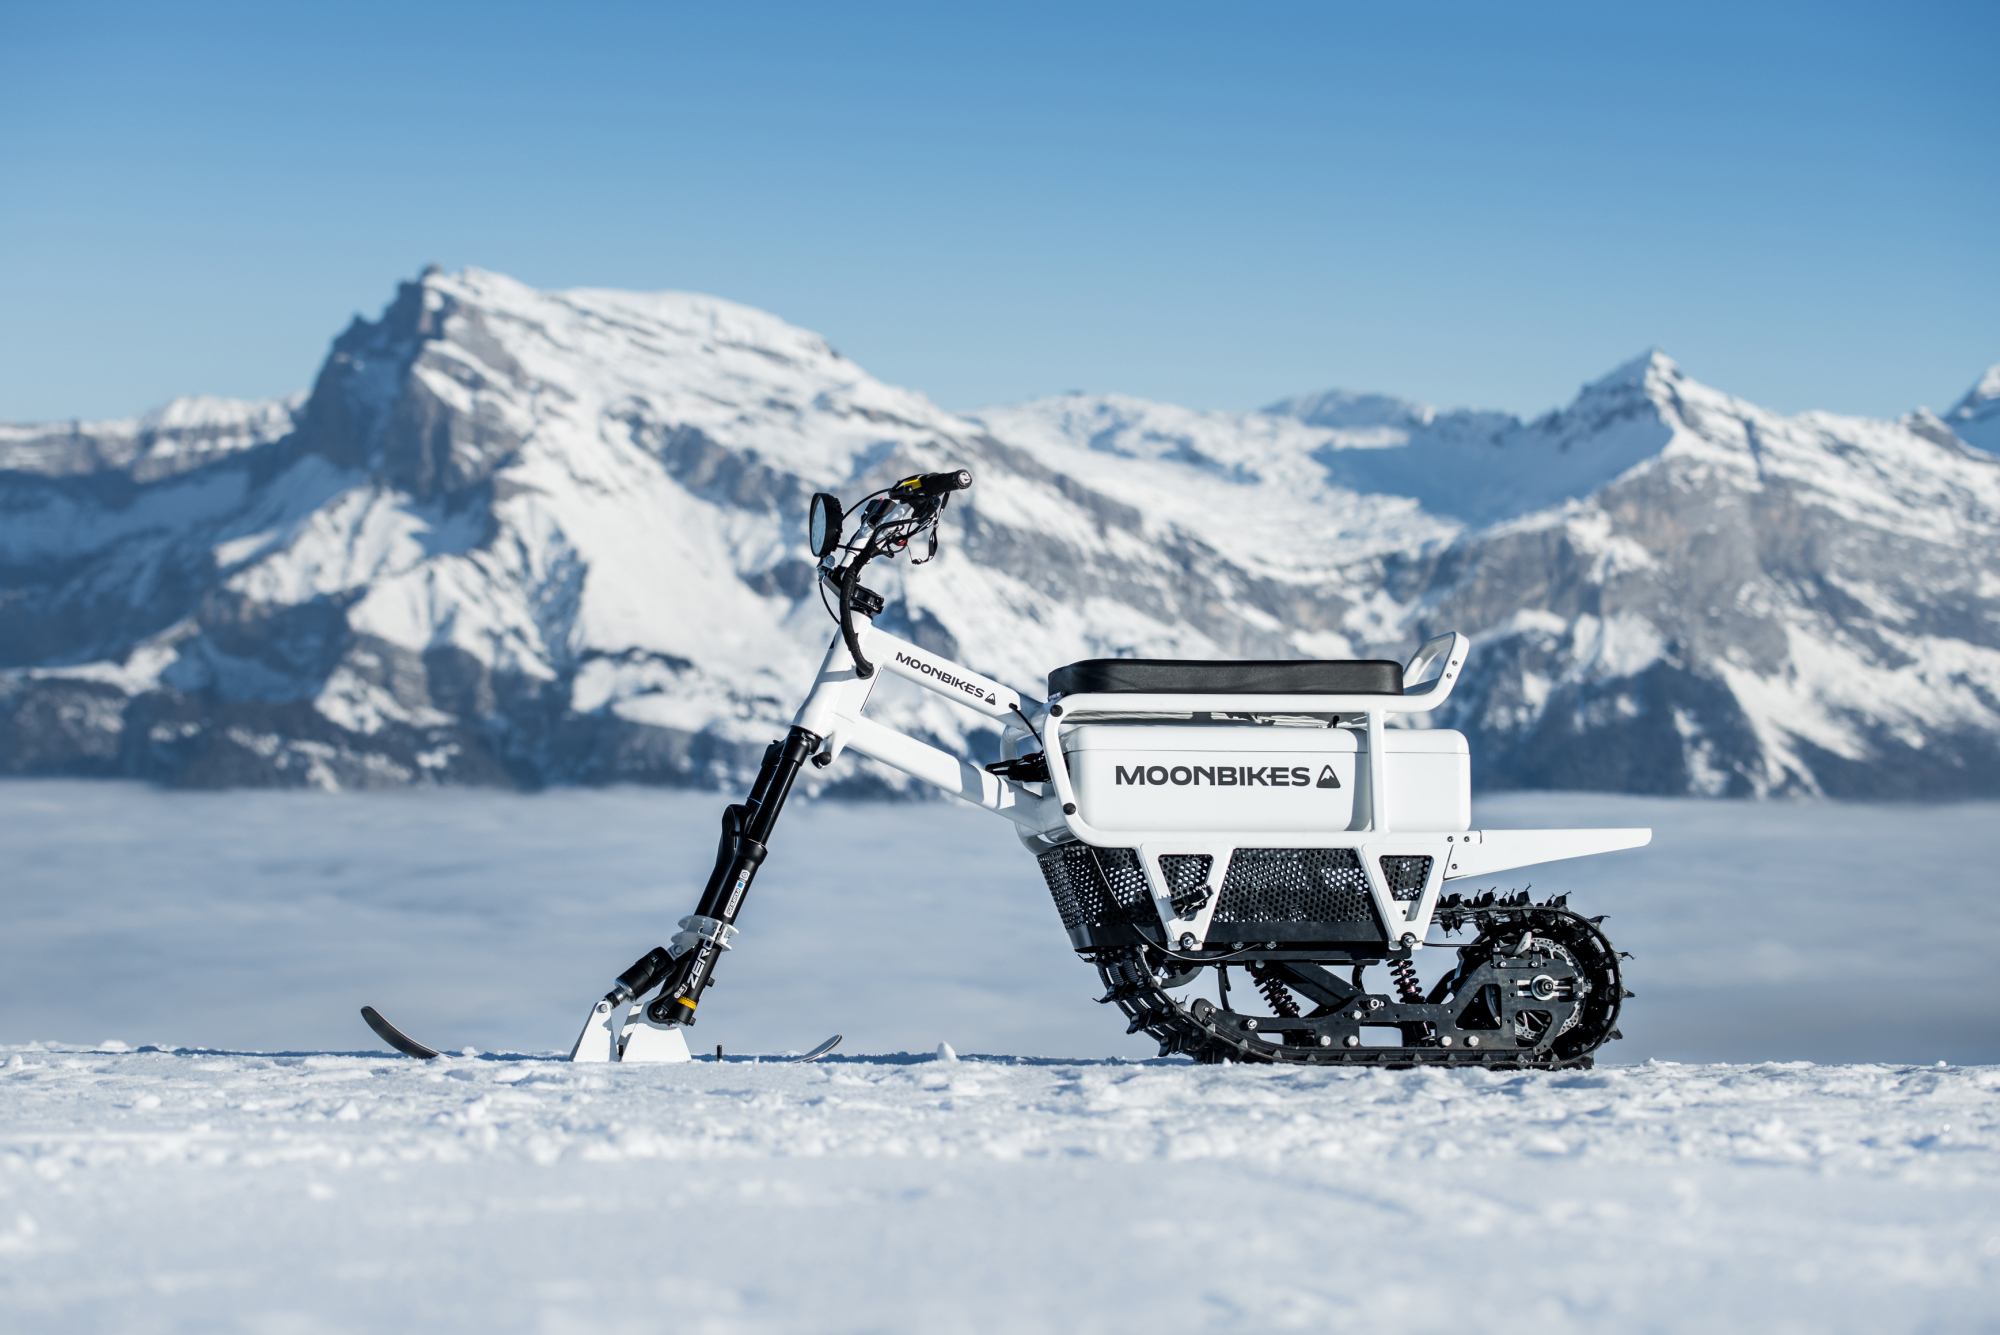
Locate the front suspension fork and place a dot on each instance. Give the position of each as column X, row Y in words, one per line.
column 746, row 835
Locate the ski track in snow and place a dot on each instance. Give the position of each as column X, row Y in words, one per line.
column 188, row 1191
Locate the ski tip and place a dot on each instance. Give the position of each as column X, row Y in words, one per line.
column 395, row 1037
column 819, row 1051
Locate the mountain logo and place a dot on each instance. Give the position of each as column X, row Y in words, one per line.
column 1326, row 779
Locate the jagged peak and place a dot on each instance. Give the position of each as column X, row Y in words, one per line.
column 1984, row 391
column 1642, row 375
column 1976, row 417
column 1643, row 387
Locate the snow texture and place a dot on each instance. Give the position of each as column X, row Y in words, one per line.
column 204, row 1190
column 517, row 537
column 278, row 1172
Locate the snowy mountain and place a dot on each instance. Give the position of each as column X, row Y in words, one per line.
column 1482, row 466
column 1766, row 604
column 1674, row 590
column 187, row 433
column 1975, row 419
column 523, row 536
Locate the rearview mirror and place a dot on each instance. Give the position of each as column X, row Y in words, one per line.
column 823, row 528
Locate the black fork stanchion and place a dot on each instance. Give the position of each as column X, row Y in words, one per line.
column 746, row 835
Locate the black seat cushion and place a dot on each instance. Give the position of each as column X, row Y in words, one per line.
column 1198, row 676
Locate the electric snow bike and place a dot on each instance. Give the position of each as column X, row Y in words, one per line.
column 1256, row 819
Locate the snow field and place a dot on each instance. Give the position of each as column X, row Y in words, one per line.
column 210, row 1191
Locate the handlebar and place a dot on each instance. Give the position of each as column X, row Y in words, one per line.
column 932, row 484
column 926, row 495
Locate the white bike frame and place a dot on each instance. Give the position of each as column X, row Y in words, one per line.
column 835, row 711
column 834, row 719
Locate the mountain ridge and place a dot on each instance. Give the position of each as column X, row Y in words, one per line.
column 184, row 433
column 524, row 537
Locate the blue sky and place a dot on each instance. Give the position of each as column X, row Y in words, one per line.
column 1216, row 205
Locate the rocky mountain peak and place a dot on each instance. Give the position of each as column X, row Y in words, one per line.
column 1985, row 391
column 353, row 409
column 461, row 371
column 1645, row 374
column 1976, row 417
column 1646, row 389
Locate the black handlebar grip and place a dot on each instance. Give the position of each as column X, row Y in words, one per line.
column 933, row 484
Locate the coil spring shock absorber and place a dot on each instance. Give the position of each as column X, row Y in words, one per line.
column 1277, row 994
column 1407, row 986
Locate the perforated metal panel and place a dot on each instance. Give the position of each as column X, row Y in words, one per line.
column 1295, row 885
column 1185, row 871
column 1093, row 887
column 1406, row 874
column 1097, row 887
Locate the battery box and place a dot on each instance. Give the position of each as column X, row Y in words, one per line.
column 1262, row 778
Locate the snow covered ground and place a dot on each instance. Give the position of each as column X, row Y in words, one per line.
column 279, row 1175
column 144, row 1192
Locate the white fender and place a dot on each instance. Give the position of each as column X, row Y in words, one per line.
column 1483, row 852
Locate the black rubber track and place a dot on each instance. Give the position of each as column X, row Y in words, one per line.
column 1208, row 1033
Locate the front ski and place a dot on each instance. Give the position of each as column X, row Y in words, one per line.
column 819, row 1051
column 396, row 1038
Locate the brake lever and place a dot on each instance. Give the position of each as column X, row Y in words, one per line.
column 851, row 597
